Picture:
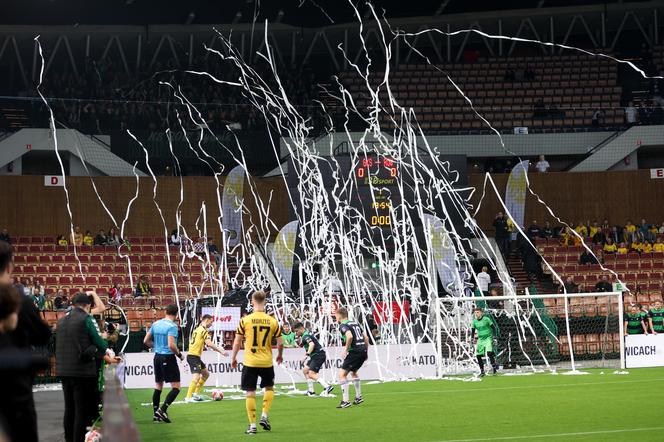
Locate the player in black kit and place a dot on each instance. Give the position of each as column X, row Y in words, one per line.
column 355, row 353
column 314, row 359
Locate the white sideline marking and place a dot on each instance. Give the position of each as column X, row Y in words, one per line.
column 539, row 436
column 521, row 387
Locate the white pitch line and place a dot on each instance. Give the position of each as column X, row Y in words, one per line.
column 540, row 436
column 520, row 387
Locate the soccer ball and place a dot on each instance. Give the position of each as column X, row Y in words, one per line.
column 217, row 395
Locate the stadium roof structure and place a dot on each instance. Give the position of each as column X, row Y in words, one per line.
column 301, row 13
column 95, row 158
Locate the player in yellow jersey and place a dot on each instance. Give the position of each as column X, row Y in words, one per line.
column 257, row 331
column 199, row 339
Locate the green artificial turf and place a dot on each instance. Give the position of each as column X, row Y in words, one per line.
column 600, row 406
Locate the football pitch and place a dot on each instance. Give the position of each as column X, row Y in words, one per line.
column 599, row 406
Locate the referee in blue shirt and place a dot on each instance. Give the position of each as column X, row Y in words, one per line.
column 163, row 337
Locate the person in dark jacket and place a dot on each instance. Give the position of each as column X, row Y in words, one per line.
column 77, row 346
column 18, row 404
column 502, row 234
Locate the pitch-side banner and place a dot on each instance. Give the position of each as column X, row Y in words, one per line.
column 231, row 206
column 284, row 252
column 385, row 362
column 515, row 194
column 443, row 253
column 225, row 318
column 644, row 351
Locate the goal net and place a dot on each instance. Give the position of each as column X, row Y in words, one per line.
column 566, row 332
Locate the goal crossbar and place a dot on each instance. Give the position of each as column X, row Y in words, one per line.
column 525, row 297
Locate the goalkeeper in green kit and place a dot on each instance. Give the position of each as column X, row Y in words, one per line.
column 485, row 331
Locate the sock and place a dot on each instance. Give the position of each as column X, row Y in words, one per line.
column 344, row 390
column 268, row 396
column 170, row 398
column 250, row 404
column 200, row 385
column 310, row 385
column 358, row 388
column 323, row 383
column 156, row 397
column 492, row 358
column 192, row 388
column 480, row 361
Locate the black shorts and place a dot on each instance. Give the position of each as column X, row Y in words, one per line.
column 166, row 369
column 316, row 362
column 354, row 360
column 250, row 377
column 195, row 364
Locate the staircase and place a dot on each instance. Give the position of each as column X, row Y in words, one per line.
column 521, row 277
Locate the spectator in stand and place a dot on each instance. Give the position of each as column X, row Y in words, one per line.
column 88, row 239
column 610, row 247
column 4, row 236
column 143, row 289
column 174, row 239
column 534, row 231
column 484, row 280
column 629, row 232
column 62, row 241
column 113, row 239
column 115, row 293
column 615, row 235
column 594, row 229
column 631, row 114
column 598, row 114
column 587, row 258
column 200, row 247
column 647, row 247
column 61, row 301
column 644, row 231
column 637, row 246
column 101, row 239
column 214, row 251
column 77, row 237
column 603, row 285
column 547, row 231
column 38, row 298
column 581, row 229
column 502, row 234
column 568, row 238
column 661, row 229
column 658, row 246
column 622, row 249
column 542, row 165
column 570, row 286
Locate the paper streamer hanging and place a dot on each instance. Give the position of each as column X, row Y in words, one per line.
column 284, row 252
column 444, row 253
column 232, row 206
column 515, row 193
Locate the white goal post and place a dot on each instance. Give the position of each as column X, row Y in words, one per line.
column 569, row 331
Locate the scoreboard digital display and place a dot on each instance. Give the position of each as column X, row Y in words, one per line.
column 380, row 185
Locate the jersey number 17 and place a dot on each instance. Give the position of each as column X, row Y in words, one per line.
column 263, row 328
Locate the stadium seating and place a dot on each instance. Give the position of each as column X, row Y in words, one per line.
column 56, row 267
column 574, row 84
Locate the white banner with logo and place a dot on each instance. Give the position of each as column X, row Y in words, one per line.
column 644, row 351
column 385, row 362
column 225, row 318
